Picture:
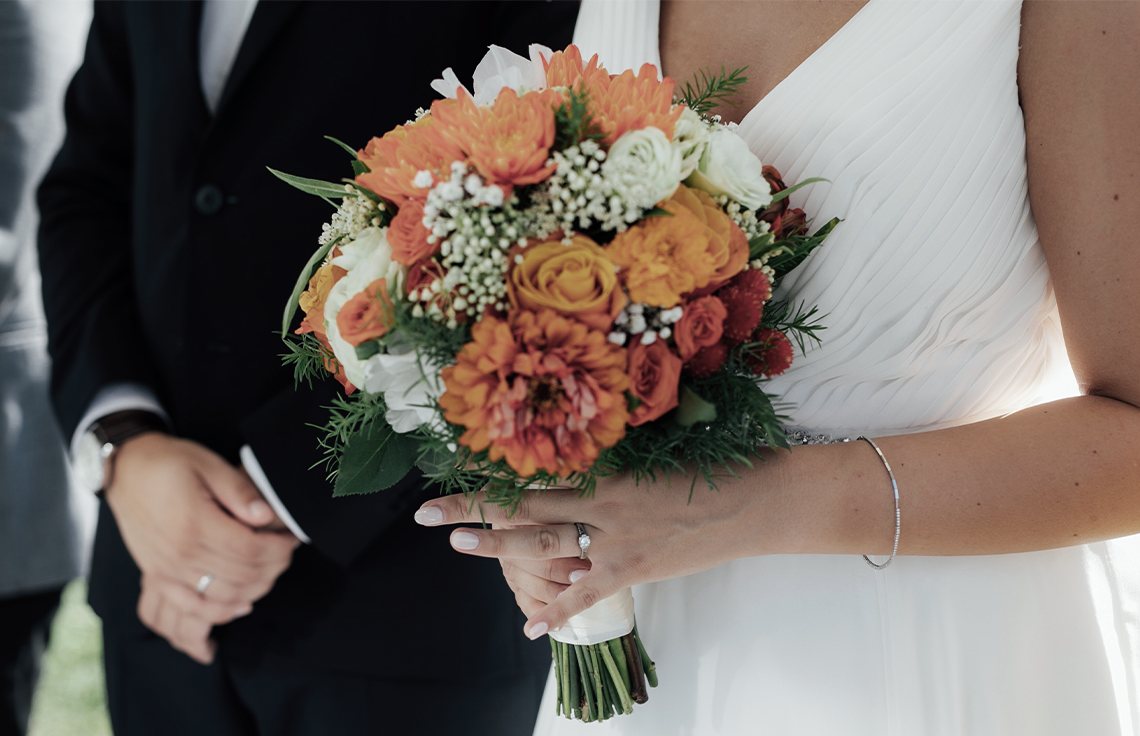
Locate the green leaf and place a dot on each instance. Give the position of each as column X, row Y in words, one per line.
column 323, row 189
column 785, row 193
column 374, row 459
column 366, row 350
column 692, row 409
column 347, row 148
column 658, row 212
column 301, row 285
column 709, row 90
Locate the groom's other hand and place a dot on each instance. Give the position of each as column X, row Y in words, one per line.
column 182, row 617
column 184, row 513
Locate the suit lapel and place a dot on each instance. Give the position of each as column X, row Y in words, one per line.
column 268, row 19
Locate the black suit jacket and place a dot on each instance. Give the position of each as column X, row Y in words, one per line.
column 168, row 253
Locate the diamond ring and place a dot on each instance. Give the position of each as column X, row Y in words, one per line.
column 204, row 582
column 583, row 541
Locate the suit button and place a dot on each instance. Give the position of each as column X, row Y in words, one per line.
column 208, row 200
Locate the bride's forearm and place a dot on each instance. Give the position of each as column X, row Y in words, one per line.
column 1058, row 474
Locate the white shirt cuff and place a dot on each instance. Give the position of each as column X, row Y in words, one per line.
column 114, row 398
column 257, row 475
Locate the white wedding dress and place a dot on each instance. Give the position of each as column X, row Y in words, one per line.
column 939, row 312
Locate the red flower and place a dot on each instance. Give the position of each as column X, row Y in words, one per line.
column 708, row 360
column 773, row 355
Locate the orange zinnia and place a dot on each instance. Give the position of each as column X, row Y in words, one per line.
column 543, row 391
column 396, row 158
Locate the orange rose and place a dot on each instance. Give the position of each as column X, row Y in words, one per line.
column 408, row 236
column 654, row 378
column 508, row 142
column 577, row 280
column 366, row 316
column 701, row 325
column 543, row 391
column 664, row 258
column 312, row 300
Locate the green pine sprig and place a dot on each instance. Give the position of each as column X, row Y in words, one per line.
column 709, row 91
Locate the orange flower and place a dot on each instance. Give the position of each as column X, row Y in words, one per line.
column 543, row 391
column 620, row 103
column 396, row 158
column 654, row 377
column 508, row 142
column 663, row 258
column 408, row 236
column 366, row 316
column 577, row 280
column 701, row 325
column 312, row 300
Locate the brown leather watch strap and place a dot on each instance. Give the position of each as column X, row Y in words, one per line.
column 120, row 426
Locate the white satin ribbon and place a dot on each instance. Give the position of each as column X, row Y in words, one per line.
column 607, row 619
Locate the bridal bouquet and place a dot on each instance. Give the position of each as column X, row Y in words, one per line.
column 559, row 276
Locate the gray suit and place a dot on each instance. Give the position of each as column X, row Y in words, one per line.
column 43, row 525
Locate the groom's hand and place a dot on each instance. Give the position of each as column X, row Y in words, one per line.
column 182, row 617
column 184, row 513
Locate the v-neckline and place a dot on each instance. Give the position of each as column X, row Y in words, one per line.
column 792, row 74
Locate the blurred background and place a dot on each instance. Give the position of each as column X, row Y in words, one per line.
column 48, row 635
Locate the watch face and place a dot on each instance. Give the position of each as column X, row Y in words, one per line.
column 88, row 463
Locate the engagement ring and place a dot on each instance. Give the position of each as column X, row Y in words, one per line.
column 583, row 541
column 204, row 582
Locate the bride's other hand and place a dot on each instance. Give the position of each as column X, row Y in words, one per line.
column 638, row 533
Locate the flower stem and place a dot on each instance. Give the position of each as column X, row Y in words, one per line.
column 619, row 678
column 649, row 664
column 637, row 688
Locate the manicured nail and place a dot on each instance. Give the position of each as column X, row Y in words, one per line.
column 429, row 516
column 576, row 576
column 537, row 630
column 244, row 611
column 260, row 510
column 464, row 540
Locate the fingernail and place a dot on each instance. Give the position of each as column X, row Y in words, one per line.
column 464, row 540
column 429, row 516
column 576, row 576
column 260, row 510
column 537, row 630
column 244, row 611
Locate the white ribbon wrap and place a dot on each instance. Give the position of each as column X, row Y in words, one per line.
column 607, row 619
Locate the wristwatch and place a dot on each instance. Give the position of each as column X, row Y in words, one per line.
column 94, row 461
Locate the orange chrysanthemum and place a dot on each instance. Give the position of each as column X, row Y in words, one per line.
column 619, row 103
column 664, row 258
column 509, row 141
column 543, row 391
column 395, row 158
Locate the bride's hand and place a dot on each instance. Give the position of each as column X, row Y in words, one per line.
column 638, row 533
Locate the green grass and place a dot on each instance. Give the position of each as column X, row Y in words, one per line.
column 70, row 698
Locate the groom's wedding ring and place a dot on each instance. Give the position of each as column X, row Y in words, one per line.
column 204, row 583
column 583, row 541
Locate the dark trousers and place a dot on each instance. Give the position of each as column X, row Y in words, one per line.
column 25, row 627
column 153, row 689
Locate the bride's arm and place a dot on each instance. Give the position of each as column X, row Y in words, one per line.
column 1049, row 476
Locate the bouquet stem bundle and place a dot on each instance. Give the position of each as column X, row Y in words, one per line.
column 597, row 681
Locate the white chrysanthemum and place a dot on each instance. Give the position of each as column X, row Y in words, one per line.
column 367, row 258
column 410, row 388
column 499, row 68
column 643, row 167
column 690, row 136
column 729, row 167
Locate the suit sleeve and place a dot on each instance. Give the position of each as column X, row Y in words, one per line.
column 281, row 435
column 94, row 335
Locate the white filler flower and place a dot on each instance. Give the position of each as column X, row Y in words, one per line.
column 643, row 167
column 366, row 259
column 728, row 167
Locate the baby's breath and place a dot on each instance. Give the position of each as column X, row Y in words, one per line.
column 355, row 213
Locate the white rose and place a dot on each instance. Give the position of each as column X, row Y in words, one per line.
column 643, row 167
column 729, row 167
column 366, row 259
column 499, row 68
column 690, row 136
column 410, row 388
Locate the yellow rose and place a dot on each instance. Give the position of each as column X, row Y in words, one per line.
column 576, row 280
